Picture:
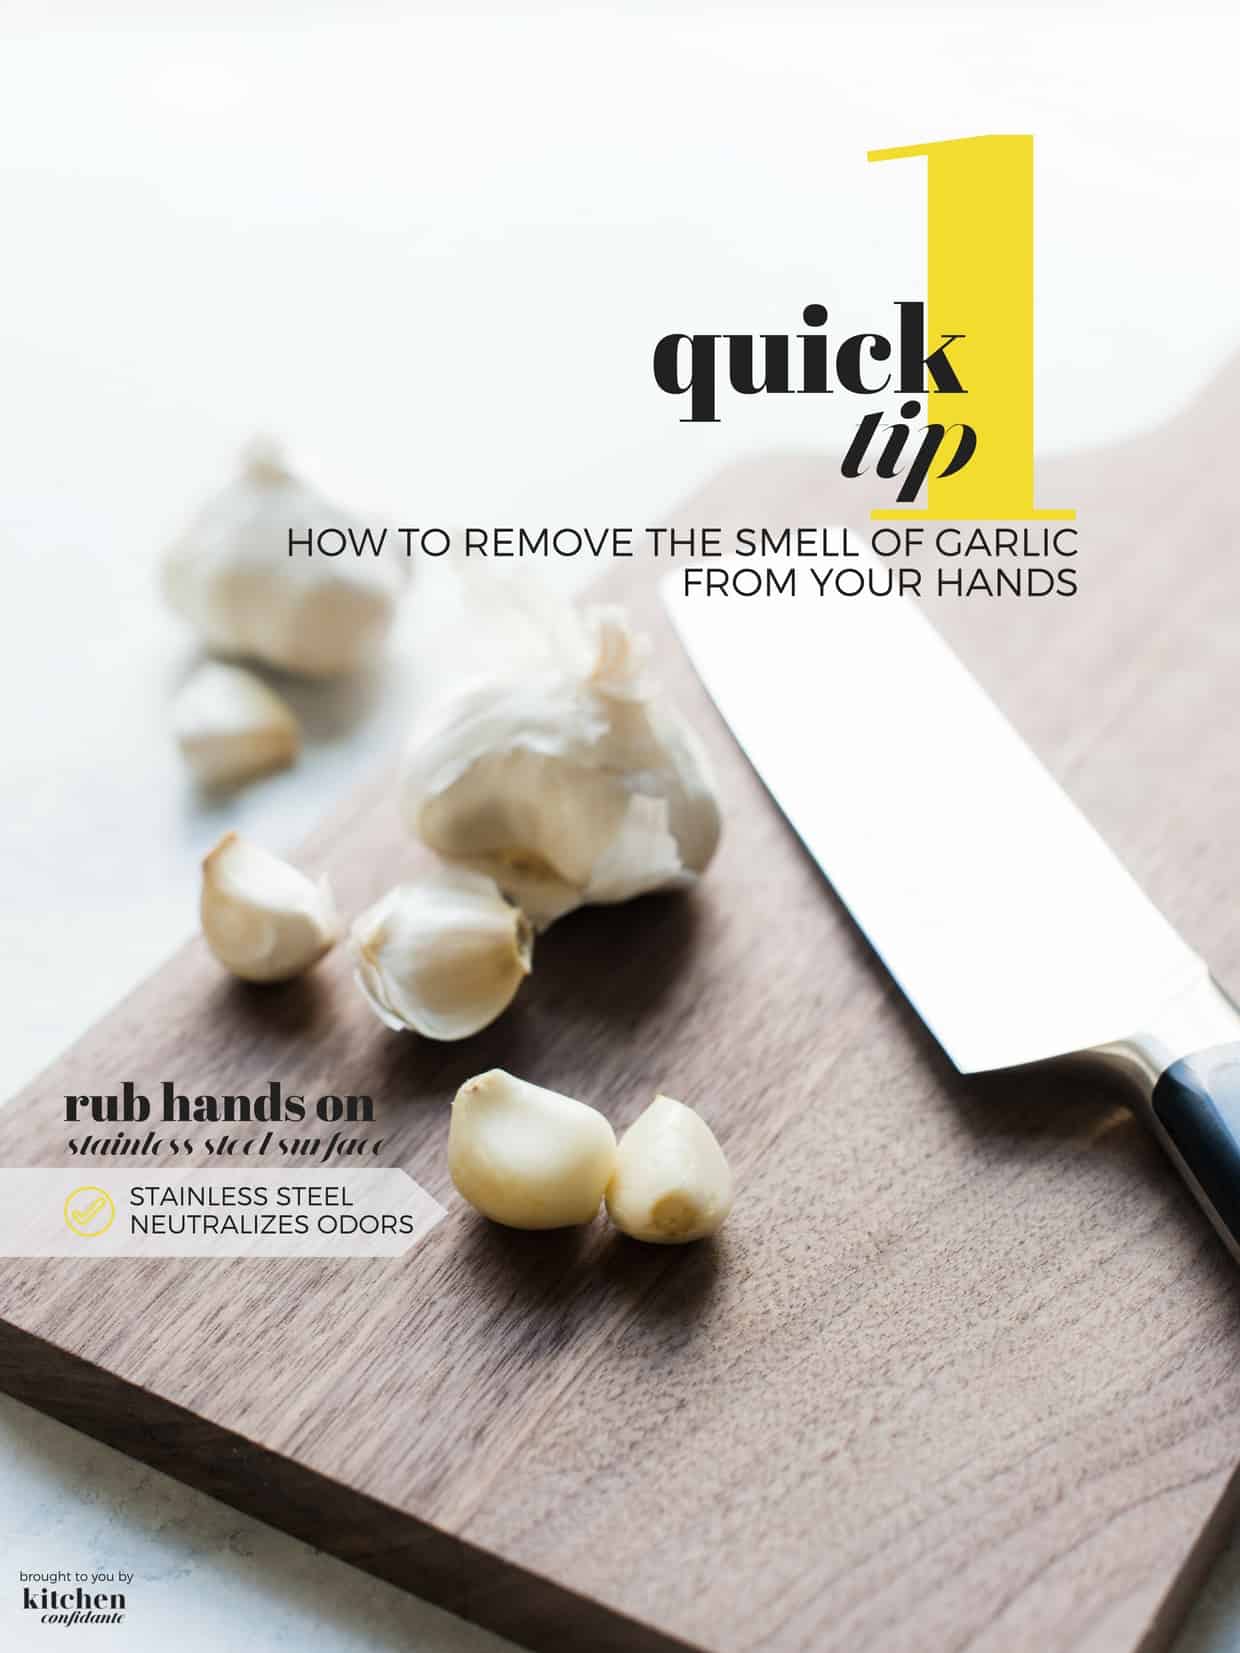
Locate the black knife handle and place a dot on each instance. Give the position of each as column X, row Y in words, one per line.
column 1196, row 1106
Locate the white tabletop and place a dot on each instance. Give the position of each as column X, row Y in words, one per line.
column 432, row 255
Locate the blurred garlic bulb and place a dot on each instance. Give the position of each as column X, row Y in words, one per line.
column 231, row 576
column 563, row 776
column 231, row 727
column 263, row 919
column 444, row 957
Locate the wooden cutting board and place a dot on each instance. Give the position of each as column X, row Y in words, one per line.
column 964, row 1368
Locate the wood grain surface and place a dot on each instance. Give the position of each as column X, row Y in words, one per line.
column 963, row 1369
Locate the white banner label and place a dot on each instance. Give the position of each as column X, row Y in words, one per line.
column 314, row 1213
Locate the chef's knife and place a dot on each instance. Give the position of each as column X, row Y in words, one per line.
column 1017, row 935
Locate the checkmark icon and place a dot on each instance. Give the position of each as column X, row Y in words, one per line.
column 89, row 1212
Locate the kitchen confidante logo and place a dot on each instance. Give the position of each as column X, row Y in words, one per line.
column 78, row 1606
column 974, row 454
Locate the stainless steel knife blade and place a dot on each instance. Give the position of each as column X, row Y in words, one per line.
column 1013, row 929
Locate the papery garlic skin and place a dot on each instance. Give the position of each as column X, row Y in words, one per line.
column 528, row 1157
column 567, row 781
column 444, row 956
column 263, row 919
column 231, row 576
column 231, row 727
column 672, row 1183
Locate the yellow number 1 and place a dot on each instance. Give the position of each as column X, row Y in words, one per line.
column 979, row 201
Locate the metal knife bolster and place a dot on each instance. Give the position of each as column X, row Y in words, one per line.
column 1184, row 1074
column 1198, row 1019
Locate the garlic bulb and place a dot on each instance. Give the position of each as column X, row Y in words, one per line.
column 564, row 778
column 528, row 1157
column 231, row 727
column 444, row 957
column 671, row 1183
column 263, row 920
column 232, row 577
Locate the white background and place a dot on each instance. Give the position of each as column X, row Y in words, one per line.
column 432, row 255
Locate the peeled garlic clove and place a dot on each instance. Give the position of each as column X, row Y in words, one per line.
column 231, row 727
column 263, row 920
column 565, row 778
column 232, row 577
column 444, row 957
column 671, row 1183
column 528, row 1157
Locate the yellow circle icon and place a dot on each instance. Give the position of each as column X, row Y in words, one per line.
column 89, row 1212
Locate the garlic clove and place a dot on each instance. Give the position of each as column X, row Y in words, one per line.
column 528, row 1157
column 564, row 778
column 231, row 727
column 671, row 1183
column 263, row 919
column 444, row 957
column 232, row 576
